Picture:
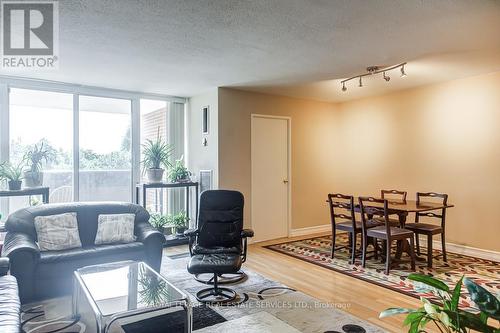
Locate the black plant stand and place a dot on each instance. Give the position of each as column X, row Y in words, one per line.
column 171, row 240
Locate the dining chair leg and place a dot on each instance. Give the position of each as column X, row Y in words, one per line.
column 399, row 249
column 363, row 248
column 388, row 257
column 429, row 251
column 350, row 242
column 375, row 249
column 443, row 245
column 412, row 253
column 417, row 241
column 334, row 236
column 353, row 248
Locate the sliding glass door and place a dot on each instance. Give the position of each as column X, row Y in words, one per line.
column 92, row 136
column 45, row 120
column 105, row 163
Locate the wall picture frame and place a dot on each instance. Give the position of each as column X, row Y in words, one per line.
column 205, row 120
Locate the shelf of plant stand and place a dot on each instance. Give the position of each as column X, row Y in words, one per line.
column 174, row 240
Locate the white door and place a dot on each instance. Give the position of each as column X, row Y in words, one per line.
column 270, row 177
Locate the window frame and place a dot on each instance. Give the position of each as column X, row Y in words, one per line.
column 8, row 82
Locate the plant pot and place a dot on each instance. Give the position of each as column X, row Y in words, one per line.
column 184, row 179
column 33, row 179
column 179, row 231
column 15, row 185
column 155, row 175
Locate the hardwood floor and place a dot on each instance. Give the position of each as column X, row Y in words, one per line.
column 361, row 299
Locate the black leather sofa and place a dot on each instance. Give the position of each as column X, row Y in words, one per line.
column 47, row 274
column 10, row 307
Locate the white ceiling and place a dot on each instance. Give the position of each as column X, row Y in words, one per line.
column 291, row 47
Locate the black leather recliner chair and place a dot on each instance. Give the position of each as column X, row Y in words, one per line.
column 219, row 245
column 47, row 274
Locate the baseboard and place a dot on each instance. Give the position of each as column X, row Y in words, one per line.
column 463, row 249
column 310, row 230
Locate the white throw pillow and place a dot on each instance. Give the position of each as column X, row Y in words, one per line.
column 57, row 232
column 115, row 228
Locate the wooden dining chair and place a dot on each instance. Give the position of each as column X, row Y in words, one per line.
column 370, row 206
column 343, row 218
column 429, row 229
column 392, row 195
column 395, row 194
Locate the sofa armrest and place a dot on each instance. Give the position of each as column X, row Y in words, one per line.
column 19, row 242
column 145, row 232
column 23, row 254
column 153, row 242
column 246, row 233
column 4, row 266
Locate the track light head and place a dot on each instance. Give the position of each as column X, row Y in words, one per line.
column 360, row 82
column 403, row 73
column 344, row 88
column 387, row 78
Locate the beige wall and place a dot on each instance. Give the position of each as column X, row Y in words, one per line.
column 443, row 138
column 310, row 161
column 203, row 157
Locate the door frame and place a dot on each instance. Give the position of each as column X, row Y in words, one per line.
column 289, row 165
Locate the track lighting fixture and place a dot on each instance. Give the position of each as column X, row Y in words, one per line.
column 403, row 73
column 372, row 70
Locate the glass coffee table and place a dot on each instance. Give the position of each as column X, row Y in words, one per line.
column 126, row 289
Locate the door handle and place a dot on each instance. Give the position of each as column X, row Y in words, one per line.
column 285, row 181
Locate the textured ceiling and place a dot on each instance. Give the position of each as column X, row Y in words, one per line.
column 291, row 47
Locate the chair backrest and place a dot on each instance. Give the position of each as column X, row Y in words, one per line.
column 399, row 195
column 341, row 209
column 220, row 219
column 87, row 214
column 374, row 206
column 61, row 194
column 432, row 196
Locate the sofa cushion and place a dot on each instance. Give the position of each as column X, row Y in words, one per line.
column 57, row 232
column 87, row 213
column 10, row 307
column 115, row 228
column 56, row 264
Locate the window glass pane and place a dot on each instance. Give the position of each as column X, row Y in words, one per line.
column 44, row 119
column 153, row 123
column 105, row 149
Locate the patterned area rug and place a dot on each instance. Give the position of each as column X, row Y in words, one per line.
column 262, row 306
column 317, row 251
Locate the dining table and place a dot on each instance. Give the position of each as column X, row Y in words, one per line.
column 402, row 209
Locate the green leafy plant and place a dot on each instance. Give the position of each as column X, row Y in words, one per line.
column 12, row 172
column 178, row 221
column 179, row 172
column 159, row 221
column 156, row 153
column 36, row 155
column 447, row 316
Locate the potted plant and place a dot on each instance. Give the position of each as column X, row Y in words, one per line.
column 33, row 177
column 158, row 221
column 447, row 316
column 156, row 155
column 179, row 173
column 13, row 174
column 179, row 222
